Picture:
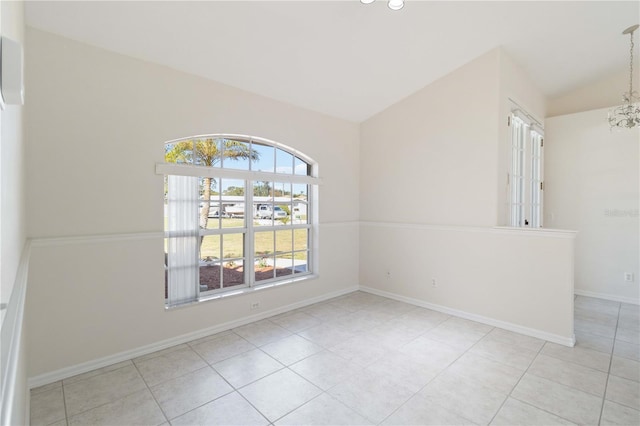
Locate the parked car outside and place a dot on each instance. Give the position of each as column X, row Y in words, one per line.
column 266, row 211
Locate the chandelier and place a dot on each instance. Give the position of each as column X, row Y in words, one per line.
column 628, row 114
column 393, row 4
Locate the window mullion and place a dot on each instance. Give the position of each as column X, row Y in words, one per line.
column 200, row 237
column 249, row 276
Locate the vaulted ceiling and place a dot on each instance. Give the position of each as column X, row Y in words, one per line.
column 347, row 59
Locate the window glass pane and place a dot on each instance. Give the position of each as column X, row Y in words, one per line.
column 208, row 212
column 179, row 152
column 209, row 249
column 208, row 153
column 236, row 154
column 263, row 243
column 520, row 190
column 535, row 169
column 264, row 214
column 515, row 164
column 282, row 192
column 521, row 162
column 282, row 202
column 233, row 212
column 233, row 246
column 284, row 265
column 515, row 186
column 209, row 276
column 299, row 212
column 300, row 205
column 260, row 214
column 264, row 247
column 300, row 191
column 232, row 273
column 281, row 214
column 284, row 240
column 264, row 268
column 520, row 139
column 166, row 203
column 284, row 162
column 302, row 168
column 265, row 161
column 300, row 239
column 535, row 216
column 301, row 262
column 262, row 191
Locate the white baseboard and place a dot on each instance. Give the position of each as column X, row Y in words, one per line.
column 71, row 371
column 606, row 296
column 554, row 338
column 65, row 373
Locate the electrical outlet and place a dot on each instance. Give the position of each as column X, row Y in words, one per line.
column 255, row 305
column 628, row 277
column 388, row 275
column 433, row 283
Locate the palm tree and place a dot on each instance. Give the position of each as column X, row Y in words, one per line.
column 208, row 152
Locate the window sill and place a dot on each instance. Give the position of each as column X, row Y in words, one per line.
column 243, row 291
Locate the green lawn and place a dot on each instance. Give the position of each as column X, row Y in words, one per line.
column 233, row 246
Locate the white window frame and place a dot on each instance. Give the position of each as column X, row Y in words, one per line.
column 526, row 170
column 191, row 292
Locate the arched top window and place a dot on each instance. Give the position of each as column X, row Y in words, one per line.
column 239, row 215
column 238, row 152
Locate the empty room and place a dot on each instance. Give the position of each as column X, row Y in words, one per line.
column 351, row 212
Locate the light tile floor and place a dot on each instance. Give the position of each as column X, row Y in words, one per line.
column 363, row 359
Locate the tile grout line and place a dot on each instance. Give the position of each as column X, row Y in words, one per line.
column 64, row 402
column 322, row 391
column 287, row 367
column 237, row 390
column 509, row 395
column 354, row 335
column 576, row 363
column 166, row 418
column 215, row 371
column 441, row 372
column 606, row 385
column 361, row 333
column 106, row 403
column 234, row 389
column 227, row 358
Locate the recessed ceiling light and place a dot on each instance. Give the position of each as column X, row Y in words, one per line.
column 396, row 4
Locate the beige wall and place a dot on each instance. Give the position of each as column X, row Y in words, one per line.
column 98, row 121
column 605, row 92
column 432, row 158
column 13, row 371
column 432, row 179
column 592, row 185
column 488, row 274
column 12, row 213
column 97, row 124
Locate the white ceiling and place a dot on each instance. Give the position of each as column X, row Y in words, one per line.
column 347, row 59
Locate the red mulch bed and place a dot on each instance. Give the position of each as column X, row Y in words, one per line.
column 210, row 276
